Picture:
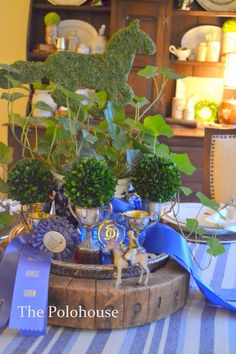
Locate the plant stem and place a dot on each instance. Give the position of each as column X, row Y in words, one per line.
column 154, row 145
column 156, row 99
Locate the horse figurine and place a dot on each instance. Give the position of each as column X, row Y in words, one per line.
column 120, row 262
column 107, row 71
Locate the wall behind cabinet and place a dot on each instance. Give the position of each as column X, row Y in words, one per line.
column 13, row 31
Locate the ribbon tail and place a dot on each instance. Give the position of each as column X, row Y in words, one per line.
column 161, row 238
column 8, row 268
column 30, row 299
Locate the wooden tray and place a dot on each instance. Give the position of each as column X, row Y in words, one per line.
column 93, row 271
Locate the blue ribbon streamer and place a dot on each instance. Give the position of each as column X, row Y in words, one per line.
column 161, row 238
column 30, row 298
column 8, row 268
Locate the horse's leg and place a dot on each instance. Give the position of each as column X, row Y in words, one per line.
column 119, row 274
column 124, row 94
column 141, row 275
column 145, row 267
column 121, row 93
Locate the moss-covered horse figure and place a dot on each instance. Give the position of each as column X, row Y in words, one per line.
column 107, row 71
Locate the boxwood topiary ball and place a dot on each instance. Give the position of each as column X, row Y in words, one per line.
column 90, row 183
column 30, row 181
column 156, row 178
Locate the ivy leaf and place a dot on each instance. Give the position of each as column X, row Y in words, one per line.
column 17, row 84
column 162, row 150
column 16, row 119
column 88, row 136
column 11, row 97
column 6, row 154
column 112, row 153
column 98, row 97
column 133, row 124
column 4, row 188
column 43, row 106
column 207, row 202
column 183, row 163
column 156, row 125
column 139, row 102
column 148, row 72
column 9, row 68
column 187, row 191
column 215, row 247
column 6, row 220
column 168, row 73
column 193, row 226
column 132, row 156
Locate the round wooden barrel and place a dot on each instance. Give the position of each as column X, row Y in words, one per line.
column 98, row 304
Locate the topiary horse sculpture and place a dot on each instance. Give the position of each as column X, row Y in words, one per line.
column 107, row 71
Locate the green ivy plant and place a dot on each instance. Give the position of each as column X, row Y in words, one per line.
column 6, row 155
column 90, row 183
column 156, row 178
column 30, row 181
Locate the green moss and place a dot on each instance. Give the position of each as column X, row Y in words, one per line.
column 90, row 183
column 156, row 178
column 108, row 71
column 30, row 181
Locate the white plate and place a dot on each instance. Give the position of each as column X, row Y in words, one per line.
column 67, row 2
column 196, row 211
column 84, row 30
column 198, row 34
column 218, row 5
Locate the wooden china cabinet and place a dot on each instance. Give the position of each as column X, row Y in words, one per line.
column 166, row 25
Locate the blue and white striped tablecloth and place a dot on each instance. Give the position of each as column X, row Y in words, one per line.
column 197, row 328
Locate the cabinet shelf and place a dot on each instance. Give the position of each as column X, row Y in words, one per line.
column 204, row 13
column 82, row 8
column 196, row 63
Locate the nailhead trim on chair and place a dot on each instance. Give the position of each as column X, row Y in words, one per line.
column 213, row 140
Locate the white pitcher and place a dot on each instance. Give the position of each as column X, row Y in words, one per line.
column 182, row 54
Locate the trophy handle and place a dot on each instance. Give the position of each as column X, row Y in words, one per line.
column 122, row 219
column 72, row 211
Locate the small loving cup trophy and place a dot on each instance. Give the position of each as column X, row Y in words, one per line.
column 137, row 220
column 88, row 252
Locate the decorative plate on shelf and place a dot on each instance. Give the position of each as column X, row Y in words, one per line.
column 218, row 5
column 67, row 2
column 195, row 35
column 84, row 30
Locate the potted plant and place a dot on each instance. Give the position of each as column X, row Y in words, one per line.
column 90, row 186
column 51, row 21
column 157, row 180
column 31, row 183
column 110, row 135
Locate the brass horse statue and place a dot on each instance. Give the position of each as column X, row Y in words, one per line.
column 120, row 262
column 107, row 71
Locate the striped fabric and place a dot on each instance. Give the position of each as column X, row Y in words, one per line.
column 197, row 328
